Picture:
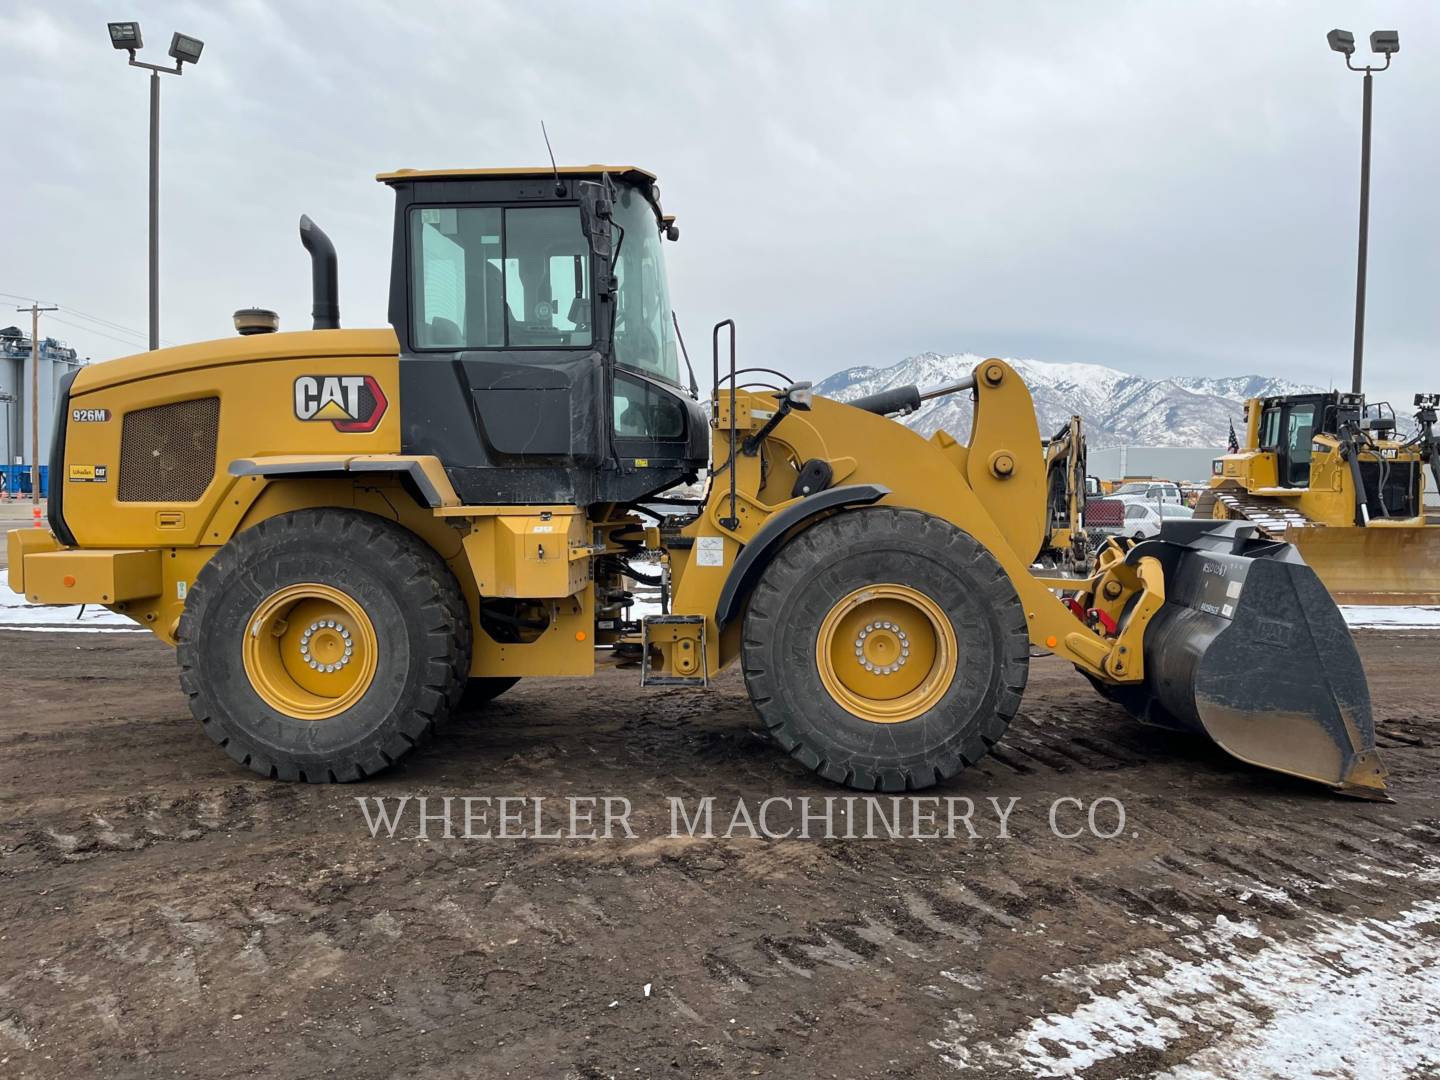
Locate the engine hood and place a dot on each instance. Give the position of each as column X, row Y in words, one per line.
column 297, row 345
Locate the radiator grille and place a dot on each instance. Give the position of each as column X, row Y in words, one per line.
column 167, row 454
column 1398, row 490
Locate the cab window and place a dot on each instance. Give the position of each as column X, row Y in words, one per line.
column 492, row 278
column 644, row 327
column 1299, row 427
column 645, row 411
column 1270, row 429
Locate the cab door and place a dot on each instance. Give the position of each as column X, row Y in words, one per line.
column 505, row 375
column 1299, row 428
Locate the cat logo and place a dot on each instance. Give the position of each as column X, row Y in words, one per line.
column 353, row 403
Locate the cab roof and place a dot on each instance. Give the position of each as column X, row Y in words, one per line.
column 401, row 175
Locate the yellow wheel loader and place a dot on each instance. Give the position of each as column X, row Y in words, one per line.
column 1067, row 487
column 1330, row 475
column 343, row 532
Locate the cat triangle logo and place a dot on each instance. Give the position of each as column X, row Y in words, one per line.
column 332, row 411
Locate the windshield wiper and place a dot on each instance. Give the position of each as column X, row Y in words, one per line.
column 694, row 386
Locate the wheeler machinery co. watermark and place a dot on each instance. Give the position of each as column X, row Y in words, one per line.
column 835, row 817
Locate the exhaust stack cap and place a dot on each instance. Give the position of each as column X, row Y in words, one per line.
column 256, row 320
column 324, row 287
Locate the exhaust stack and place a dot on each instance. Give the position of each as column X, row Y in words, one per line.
column 324, row 278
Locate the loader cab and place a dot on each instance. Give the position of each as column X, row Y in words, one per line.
column 539, row 358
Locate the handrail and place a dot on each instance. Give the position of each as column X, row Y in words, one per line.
column 732, row 521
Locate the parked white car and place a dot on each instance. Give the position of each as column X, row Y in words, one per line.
column 1149, row 490
column 1143, row 519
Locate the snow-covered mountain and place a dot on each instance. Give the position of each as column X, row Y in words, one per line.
column 1119, row 409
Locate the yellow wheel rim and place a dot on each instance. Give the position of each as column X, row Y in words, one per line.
column 886, row 653
column 310, row 651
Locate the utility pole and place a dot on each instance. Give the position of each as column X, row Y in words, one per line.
column 35, row 310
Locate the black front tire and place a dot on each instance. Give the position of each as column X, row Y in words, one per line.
column 853, row 550
column 411, row 598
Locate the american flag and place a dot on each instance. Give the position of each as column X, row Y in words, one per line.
column 1234, row 442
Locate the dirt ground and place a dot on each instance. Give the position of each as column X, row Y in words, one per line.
column 165, row 913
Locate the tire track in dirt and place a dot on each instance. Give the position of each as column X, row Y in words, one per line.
column 129, row 933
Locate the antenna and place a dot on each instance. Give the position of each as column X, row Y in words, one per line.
column 559, row 185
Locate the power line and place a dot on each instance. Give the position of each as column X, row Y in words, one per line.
column 17, row 296
column 110, row 323
column 100, row 333
column 87, row 315
column 104, row 322
column 106, row 332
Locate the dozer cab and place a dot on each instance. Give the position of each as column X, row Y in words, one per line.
column 344, row 532
column 1334, row 477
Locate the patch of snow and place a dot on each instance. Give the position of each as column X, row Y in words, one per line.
column 17, row 613
column 1381, row 617
column 1350, row 998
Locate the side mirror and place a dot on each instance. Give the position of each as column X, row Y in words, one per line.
column 596, row 212
column 800, row 396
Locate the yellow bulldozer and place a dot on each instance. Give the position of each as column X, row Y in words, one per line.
column 345, row 532
column 1333, row 477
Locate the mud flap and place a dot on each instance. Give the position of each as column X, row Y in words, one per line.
column 1250, row 650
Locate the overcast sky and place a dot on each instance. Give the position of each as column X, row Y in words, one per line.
column 1165, row 187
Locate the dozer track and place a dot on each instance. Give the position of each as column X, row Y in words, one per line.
column 1272, row 515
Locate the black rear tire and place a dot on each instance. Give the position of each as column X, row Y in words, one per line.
column 851, row 551
column 421, row 628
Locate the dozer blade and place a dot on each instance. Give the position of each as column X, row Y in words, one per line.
column 1382, row 564
column 1250, row 650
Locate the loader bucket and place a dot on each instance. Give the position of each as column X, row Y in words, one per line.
column 1250, row 650
column 1382, row 564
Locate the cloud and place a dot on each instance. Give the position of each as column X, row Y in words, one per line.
column 1166, row 188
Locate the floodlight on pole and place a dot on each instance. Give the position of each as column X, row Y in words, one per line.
column 1342, row 41
column 125, row 35
column 183, row 50
column 1384, row 43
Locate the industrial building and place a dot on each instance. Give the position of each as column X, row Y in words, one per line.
column 1183, row 464
column 56, row 361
